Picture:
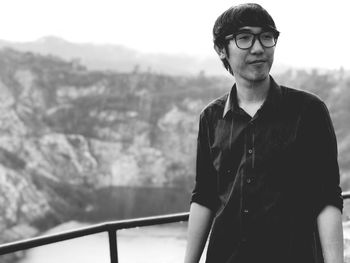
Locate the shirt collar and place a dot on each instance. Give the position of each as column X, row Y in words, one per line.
column 271, row 101
column 231, row 101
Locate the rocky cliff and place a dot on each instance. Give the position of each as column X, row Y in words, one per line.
column 67, row 132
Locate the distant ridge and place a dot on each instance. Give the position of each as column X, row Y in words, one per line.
column 120, row 58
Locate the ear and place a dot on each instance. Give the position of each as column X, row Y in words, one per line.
column 220, row 51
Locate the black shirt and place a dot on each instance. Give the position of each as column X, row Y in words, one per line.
column 267, row 177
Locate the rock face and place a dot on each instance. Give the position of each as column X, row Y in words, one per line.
column 68, row 133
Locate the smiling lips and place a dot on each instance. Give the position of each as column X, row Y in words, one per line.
column 258, row 61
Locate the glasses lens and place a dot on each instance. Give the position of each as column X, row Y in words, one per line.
column 267, row 39
column 244, row 40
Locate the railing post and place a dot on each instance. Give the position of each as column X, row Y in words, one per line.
column 113, row 250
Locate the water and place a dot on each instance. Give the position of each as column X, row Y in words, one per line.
column 155, row 244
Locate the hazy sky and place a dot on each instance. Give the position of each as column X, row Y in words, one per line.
column 313, row 33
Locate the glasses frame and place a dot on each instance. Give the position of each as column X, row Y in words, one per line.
column 256, row 36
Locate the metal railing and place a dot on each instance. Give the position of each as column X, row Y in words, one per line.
column 110, row 227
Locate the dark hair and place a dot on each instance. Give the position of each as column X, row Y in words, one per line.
column 236, row 17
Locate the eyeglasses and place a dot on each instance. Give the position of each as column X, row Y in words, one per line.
column 246, row 40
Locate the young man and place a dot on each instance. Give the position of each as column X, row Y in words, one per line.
column 267, row 182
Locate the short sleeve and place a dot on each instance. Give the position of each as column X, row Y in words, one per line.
column 205, row 190
column 322, row 157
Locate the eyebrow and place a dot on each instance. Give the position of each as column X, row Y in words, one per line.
column 239, row 32
column 246, row 30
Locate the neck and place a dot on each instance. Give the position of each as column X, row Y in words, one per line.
column 249, row 92
column 251, row 95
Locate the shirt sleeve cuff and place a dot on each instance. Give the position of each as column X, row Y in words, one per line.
column 212, row 205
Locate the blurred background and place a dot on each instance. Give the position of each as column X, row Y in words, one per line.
column 99, row 112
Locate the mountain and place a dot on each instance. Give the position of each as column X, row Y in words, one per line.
column 70, row 135
column 119, row 58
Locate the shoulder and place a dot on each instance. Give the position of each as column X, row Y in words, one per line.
column 301, row 98
column 292, row 93
column 215, row 108
column 308, row 104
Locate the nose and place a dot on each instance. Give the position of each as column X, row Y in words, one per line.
column 257, row 47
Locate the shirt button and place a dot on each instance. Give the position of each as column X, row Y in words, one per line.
column 246, row 211
column 250, row 151
column 249, row 180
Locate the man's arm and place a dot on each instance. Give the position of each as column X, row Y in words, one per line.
column 321, row 156
column 198, row 229
column 330, row 229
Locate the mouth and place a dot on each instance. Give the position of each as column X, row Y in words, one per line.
column 257, row 62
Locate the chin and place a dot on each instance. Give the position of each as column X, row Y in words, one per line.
column 259, row 77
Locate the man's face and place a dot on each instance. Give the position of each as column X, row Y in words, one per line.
column 252, row 64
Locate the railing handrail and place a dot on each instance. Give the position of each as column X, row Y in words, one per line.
column 346, row 195
column 89, row 230
column 111, row 227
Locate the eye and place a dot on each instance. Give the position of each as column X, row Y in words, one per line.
column 267, row 36
column 244, row 36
